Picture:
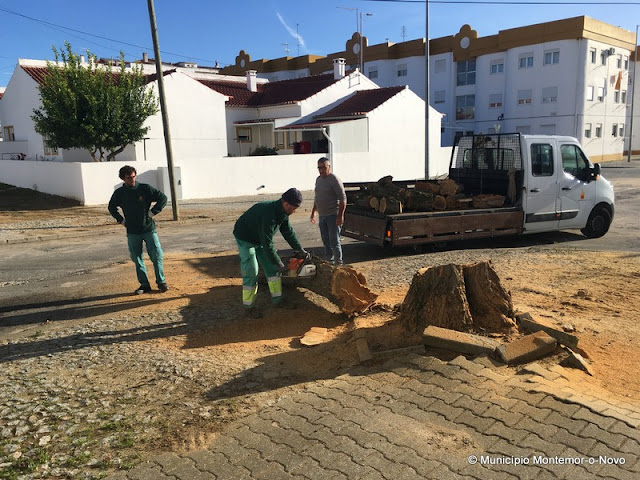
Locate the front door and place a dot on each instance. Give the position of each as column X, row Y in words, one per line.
column 541, row 187
column 576, row 195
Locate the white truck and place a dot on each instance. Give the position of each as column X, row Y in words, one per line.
column 548, row 181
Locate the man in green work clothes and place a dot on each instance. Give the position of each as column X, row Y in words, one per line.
column 254, row 233
column 134, row 199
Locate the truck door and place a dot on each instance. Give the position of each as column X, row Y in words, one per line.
column 577, row 195
column 541, row 187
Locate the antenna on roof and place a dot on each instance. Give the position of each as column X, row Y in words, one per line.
column 403, row 32
column 286, row 48
column 298, row 39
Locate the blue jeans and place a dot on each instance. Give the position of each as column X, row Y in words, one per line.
column 155, row 254
column 330, row 233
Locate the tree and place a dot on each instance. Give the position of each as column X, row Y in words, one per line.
column 93, row 106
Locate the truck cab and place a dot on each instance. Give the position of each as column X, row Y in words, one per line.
column 562, row 188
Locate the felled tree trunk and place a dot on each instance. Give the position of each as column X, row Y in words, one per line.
column 390, row 206
column 458, row 297
column 436, row 297
column 488, row 201
column 342, row 285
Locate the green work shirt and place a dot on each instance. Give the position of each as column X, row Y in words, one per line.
column 135, row 203
column 259, row 224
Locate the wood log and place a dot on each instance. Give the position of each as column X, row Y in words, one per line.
column 342, row 285
column 439, row 203
column 488, row 201
column 436, row 297
column 363, row 201
column 427, row 186
column 390, row 206
column 458, row 297
column 374, row 202
column 458, row 202
column 448, row 187
column 419, row 201
column 386, row 181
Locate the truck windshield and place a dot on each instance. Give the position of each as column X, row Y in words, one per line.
column 573, row 160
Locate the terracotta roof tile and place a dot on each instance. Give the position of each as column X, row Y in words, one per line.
column 40, row 73
column 272, row 93
column 361, row 103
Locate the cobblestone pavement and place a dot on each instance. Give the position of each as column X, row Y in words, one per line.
column 420, row 418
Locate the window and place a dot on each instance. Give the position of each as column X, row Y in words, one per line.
column 590, row 93
column 495, row 100
column 550, row 95
column 587, row 130
column 9, row 135
column 541, row 160
column 598, row 130
column 526, row 60
column 524, row 97
column 243, row 134
column 465, row 107
column 573, row 160
column 621, row 130
column 616, row 96
column 593, row 54
column 439, row 96
column 551, row 57
column 49, row 149
column 619, row 61
column 440, row 66
column 601, row 94
column 466, row 72
column 497, row 66
column 279, row 140
column 626, row 62
column 623, row 96
column 603, row 57
column 373, row 72
column 614, row 130
column 292, row 137
column 402, row 70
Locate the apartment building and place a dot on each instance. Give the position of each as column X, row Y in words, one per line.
column 567, row 77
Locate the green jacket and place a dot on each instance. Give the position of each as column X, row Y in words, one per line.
column 135, row 203
column 259, row 224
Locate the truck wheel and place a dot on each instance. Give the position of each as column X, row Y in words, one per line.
column 598, row 223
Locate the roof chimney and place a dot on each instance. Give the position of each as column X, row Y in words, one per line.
column 145, row 57
column 82, row 59
column 338, row 68
column 252, row 83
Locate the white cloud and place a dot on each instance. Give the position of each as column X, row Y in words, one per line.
column 291, row 31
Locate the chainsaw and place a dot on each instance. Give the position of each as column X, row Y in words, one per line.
column 301, row 266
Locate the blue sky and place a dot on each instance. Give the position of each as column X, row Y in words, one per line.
column 207, row 31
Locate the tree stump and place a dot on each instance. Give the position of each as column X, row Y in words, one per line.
column 436, row 297
column 342, row 285
column 491, row 305
column 458, row 297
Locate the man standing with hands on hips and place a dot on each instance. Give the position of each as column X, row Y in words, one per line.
column 330, row 203
column 135, row 199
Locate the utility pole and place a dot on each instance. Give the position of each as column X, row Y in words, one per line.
column 426, row 94
column 163, row 109
column 362, row 15
column 633, row 94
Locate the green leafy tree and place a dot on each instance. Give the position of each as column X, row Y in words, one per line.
column 93, row 106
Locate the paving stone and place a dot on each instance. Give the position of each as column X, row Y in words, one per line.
column 527, row 348
column 612, row 440
column 458, row 341
column 468, row 365
column 558, row 406
column 476, row 407
column 603, row 422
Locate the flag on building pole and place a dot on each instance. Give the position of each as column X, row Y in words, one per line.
column 619, row 81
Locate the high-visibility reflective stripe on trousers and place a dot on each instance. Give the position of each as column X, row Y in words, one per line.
column 249, row 295
column 275, row 286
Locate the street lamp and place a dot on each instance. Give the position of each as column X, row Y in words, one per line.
column 362, row 15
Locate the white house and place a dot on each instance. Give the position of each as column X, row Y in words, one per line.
column 555, row 77
column 196, row 116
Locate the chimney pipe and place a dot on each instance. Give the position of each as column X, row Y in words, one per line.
column 82, row 59
column 145, row 57
column 338, row 68
column 252, row 83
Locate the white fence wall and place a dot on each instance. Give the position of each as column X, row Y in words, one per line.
column 93, row 183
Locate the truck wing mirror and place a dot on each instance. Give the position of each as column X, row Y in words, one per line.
column 596, row 169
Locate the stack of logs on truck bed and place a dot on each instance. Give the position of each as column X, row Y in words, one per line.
column 427, row 195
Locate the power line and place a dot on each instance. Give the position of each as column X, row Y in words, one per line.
column 507, row 2
column 69, row 29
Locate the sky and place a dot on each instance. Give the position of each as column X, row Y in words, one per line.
column 206, row 32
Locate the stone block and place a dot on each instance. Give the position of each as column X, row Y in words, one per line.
column 528, row 348
column 458, row 341
column 526, row 321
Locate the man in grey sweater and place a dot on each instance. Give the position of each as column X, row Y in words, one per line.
column 330, row 202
